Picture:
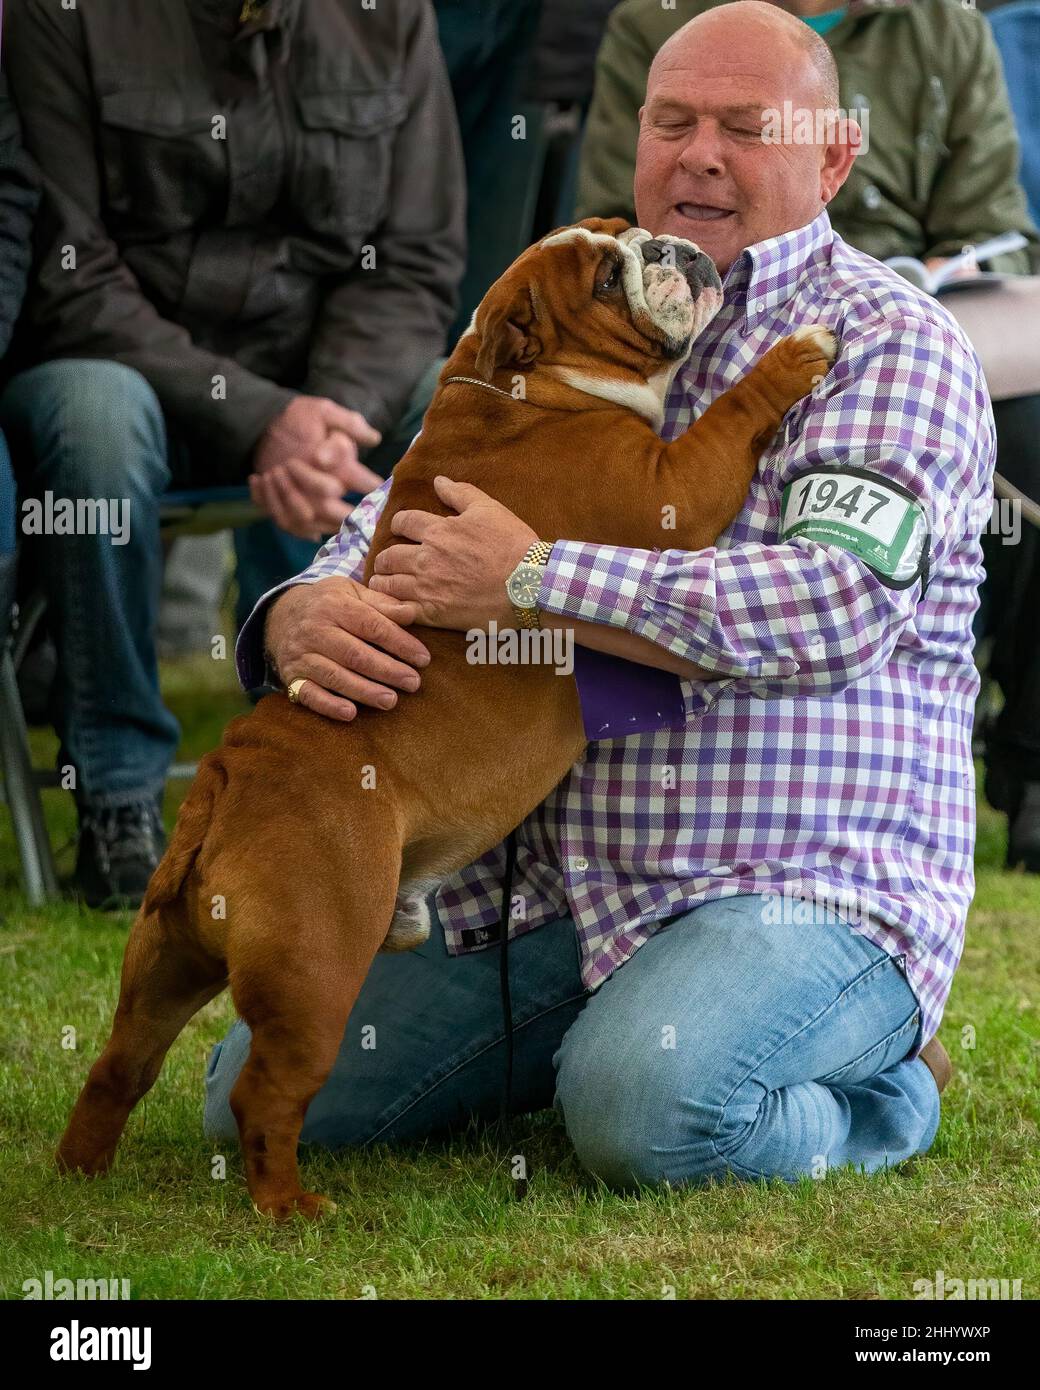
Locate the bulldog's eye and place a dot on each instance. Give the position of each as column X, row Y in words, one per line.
column 608, row 276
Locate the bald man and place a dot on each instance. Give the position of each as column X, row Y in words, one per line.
column 735, row 934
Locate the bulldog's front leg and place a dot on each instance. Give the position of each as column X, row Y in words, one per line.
column 707, row 471
column 789, row 371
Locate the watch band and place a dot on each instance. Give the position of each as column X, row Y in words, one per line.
column 536, row 554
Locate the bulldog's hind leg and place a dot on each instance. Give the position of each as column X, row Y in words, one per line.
column 295, row 984
column 410, row 926
column 164, row 983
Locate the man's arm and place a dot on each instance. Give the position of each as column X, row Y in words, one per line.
column 616, row 641
column 803, row 616
column 380, row 328
column 976, row 193
column 19, row 196
column 86, row 302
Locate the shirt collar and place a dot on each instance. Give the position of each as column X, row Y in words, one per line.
column 766, row 275
column 858, row 7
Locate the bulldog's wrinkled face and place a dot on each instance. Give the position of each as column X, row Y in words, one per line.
column 604, row 307
column 667, row 287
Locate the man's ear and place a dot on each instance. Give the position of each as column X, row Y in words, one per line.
column 505, row 336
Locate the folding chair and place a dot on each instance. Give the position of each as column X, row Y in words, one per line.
column 195, row 512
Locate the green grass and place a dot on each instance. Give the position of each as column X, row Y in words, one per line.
column 437, row 1222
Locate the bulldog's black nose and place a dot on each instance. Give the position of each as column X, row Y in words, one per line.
column 698, row 268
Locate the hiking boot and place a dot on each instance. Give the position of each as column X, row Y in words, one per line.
column 937, row 1060
column 1024, row 831
column 119, row 849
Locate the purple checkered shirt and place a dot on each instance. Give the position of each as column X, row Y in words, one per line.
column 831, row 762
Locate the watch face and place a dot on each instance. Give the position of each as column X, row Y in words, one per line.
column 523, row 585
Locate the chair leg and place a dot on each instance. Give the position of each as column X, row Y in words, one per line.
column 22, row 793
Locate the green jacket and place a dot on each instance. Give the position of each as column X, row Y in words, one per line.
column 941, row 165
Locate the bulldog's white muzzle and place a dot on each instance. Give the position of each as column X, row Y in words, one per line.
column 661, row 291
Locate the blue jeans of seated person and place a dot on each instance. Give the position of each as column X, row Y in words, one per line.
column 723, row 1046
column 8, row 532
column 95, row 429
column 7, row 501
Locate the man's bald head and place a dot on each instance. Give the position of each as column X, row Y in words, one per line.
column 710, row 165
column 756, row 21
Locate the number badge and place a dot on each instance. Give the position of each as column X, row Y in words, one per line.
column 871, row 517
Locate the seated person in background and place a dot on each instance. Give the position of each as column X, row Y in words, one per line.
column 18, row 199
column 939, row 171
column 248, row 254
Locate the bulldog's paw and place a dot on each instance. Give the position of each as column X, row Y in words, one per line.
column 813, row 348
column 410, row 926
column 309, row 1205
column 799, row 362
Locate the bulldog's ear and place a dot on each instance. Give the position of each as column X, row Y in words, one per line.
column 505, row 337
column 613, row 226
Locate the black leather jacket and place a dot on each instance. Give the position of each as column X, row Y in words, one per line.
column 242, row 201
column 19, row 195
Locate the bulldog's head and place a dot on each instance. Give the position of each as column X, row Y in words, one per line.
column 604, row 307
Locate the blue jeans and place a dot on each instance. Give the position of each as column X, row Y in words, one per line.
column 8, row 523
column 95, row 430
column 723, row 1046
column 7, row 501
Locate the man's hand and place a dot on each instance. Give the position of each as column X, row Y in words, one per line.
column 456, row 575
column 348, row 642
column 306, row 460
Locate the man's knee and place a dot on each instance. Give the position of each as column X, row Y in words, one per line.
column 90, row 427
column 631, row 1118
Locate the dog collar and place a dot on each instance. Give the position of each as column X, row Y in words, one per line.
column 476, row 381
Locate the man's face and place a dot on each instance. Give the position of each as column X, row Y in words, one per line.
column 703, row 170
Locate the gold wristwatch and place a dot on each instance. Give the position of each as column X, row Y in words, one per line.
column 524, row 583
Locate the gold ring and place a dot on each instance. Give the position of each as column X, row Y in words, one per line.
column 293, row 689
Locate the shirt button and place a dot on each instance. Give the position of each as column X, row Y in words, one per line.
column 581, row 865
column 722, row 871
column 871, row 196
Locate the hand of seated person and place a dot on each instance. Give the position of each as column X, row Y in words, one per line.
column 306, row 460
column 966, row 272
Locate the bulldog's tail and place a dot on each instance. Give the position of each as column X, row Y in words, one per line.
column 193, row 821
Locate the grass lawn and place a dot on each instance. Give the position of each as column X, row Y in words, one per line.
column 437, row 1222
